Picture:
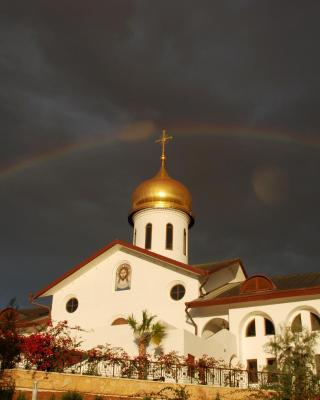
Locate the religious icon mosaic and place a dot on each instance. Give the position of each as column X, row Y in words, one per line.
column 123, row 277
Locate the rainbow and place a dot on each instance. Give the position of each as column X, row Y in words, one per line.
column 189, row 129
column 53, row 154
column 242, row 132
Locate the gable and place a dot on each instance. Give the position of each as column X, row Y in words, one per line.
column 100, row 296
column 229, row 272
column 106, row 252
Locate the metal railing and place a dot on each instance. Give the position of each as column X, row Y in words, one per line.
column 177, row 373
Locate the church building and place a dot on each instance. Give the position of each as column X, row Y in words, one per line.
column 213, row 308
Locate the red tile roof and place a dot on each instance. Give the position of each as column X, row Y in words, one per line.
column 215, row 266
column 200, row 269
column 28, row 317
column 186, row 267
column 285, row 286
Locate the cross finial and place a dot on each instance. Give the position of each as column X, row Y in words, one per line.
column 163, row 140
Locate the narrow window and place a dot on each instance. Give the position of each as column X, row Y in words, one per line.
column 271, row 369
column 169, row 236
column 296, row 325
column 148, row 236
column 184, row 242
column 252, row 368
column 315, row 322
column 251, row 328
column 268, row 327
column 135, row 237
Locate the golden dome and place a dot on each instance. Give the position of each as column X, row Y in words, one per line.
column 161, row 191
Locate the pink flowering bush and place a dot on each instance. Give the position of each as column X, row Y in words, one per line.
column 104, row 356
column 10, row 339
column 52, row 349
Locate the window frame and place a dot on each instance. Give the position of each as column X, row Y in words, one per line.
column 252, row 372
column 169, row 236
column 299, row 324
column 314, row 322
column 252, row 322
column 71, row 302
column 266, row 321
column 148, row 237
column 177, row 286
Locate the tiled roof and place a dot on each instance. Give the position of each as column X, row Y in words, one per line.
column 32, row 313
column 170, row 261
column 29, row 316
column 200, row 269
column 215, row 266
column 286, row 285
column 296, row 281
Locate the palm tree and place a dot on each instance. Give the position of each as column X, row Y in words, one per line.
column 146, row 332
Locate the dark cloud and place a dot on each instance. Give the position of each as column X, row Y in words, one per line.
column 102, row 77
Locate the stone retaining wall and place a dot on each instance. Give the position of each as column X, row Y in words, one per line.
column 57, row 383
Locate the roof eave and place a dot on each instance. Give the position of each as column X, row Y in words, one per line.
column 267, row 295
column 45, row 292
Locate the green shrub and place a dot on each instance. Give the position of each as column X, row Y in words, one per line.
column 72, row 396
column 6, row 390
column 21, row 396
column 6, row 393
column 175, row 393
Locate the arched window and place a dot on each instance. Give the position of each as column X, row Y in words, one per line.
column 315, row 322
column 251, row 328
column 134, row 237
column 148, row 236
column 268, row 327
column 184, row 242
column 296, row 325
column 120, row 321
column 213, row 326
column 169, row 236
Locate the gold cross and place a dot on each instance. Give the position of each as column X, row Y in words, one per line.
column 163, row 141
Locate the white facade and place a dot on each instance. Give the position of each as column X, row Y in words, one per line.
column 100, row 304
column 238, row 317
column 220, row 331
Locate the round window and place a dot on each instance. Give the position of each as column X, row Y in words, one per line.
column 177, row 292
column 72, row 305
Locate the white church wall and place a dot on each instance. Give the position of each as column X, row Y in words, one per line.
column 202, row 322
column 100, row 304
column 239, row 275
column 222, row 345
column 304, row 311
column 122, row 336
column 219, row 279
column 159, row 218
column 203, row 315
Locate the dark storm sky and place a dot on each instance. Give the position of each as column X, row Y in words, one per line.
column 87, row 86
